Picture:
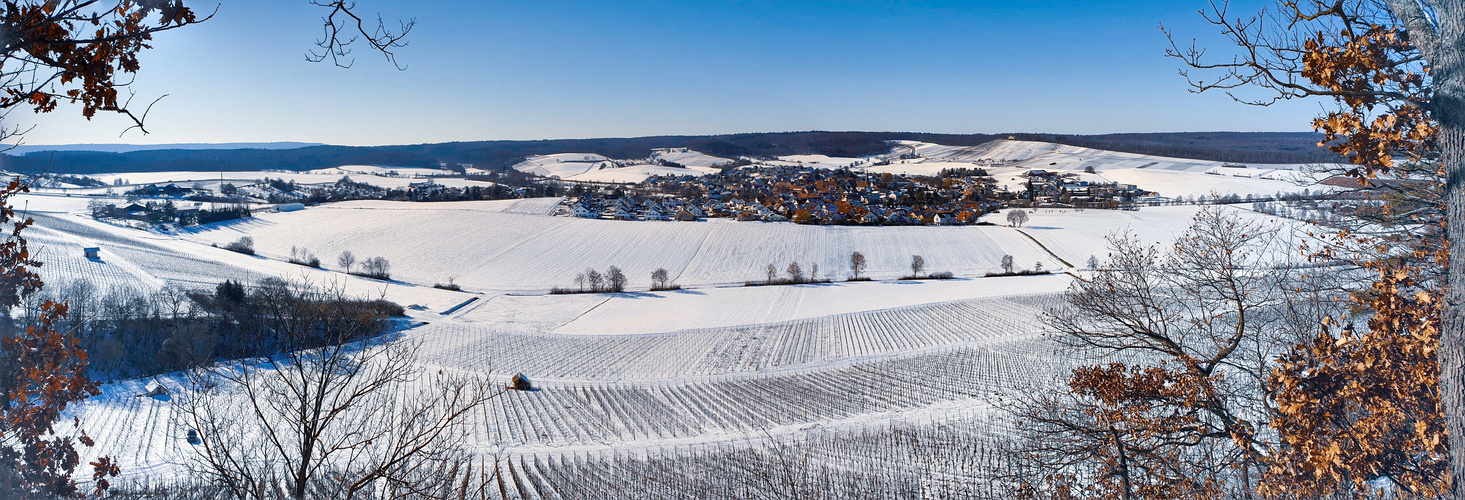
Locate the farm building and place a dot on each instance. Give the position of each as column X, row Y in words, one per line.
column 158, row 391
column 520, row 383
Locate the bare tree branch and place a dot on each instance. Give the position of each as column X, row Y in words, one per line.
column 342, row 27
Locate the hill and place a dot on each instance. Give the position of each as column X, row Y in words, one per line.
column 126, row 148
column 1269, row 147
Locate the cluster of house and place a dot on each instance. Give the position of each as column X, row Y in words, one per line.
column 1057, row 189
column 168, row 212
column 629, row 208
column 170, row 190
column 802, row 195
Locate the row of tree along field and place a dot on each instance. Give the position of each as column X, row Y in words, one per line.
column 613, row 280
column 372, row 267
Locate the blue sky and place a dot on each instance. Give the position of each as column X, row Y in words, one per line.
column 539, row 69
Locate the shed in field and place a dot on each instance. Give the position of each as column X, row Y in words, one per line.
column 92, row 252
column 291, row 207
column 157, row 391
column 520, row 383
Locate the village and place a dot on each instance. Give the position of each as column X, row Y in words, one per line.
column 808, row 195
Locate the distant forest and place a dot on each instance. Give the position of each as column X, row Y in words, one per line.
column 1252, row 147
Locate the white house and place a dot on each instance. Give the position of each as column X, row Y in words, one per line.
column 583, row 209
column 654, row 214
column 157, row 391
column 625, row 204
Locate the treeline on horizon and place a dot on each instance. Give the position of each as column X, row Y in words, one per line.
column 1249, row 147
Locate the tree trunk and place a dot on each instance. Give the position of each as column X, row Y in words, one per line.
column 1448, row 72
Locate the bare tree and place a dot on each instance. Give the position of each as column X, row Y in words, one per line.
column 1017, row 217
column 814, row 272
column 615, row 280
column 1182, row 344
column 857, row 264
column 772, row 273
column 596, row 280
column 918, row 263
column 795, row 273
column 1093, row 263
column 303, row 257
column 1007, row 264
column 357, row 416
column 580, row 281
column 1396, row 72
column 342, row 27
column 659, row 279
column 346, row 260
column 244, row 245
column 376, row 267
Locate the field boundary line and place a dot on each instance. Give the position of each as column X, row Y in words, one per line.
column 1044, row 247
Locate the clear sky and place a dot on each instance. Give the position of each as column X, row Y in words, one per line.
column 539, row 69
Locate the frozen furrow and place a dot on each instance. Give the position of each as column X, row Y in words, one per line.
column 711, row 352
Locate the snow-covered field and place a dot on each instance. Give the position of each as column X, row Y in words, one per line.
column 386, row 177
column 492, row 249
column 1007, row 160
column 821, row 161
column 689, row 158
column 587, row 167
column 704, row 371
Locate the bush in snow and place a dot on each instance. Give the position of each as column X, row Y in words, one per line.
column 244, row 245
column 303, row 257
column 375, row 267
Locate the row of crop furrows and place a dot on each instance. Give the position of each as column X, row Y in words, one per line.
column 62, row 261
column 137, row 432
column 895, row 462
column 609, row 412
column 559, row 414
column 732, row 350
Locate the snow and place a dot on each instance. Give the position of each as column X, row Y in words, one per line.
column 632, row 313
column 690, row 158
column 1007, row 160
column 587, row 167
column 147, row 259
column 821, row 161
column 703, row 368
column 1075, row 235
column 562, row 165
column 59, row 203
column 636, row 173
column 376, row 176
column 386, row 171
column 485, row 249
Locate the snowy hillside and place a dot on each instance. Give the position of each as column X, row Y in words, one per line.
column 1007, row 160
column 563, row 165
column 688, row 158
column 821, row 161
column 584, row 167
column 698, row 374
column 492, row 250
